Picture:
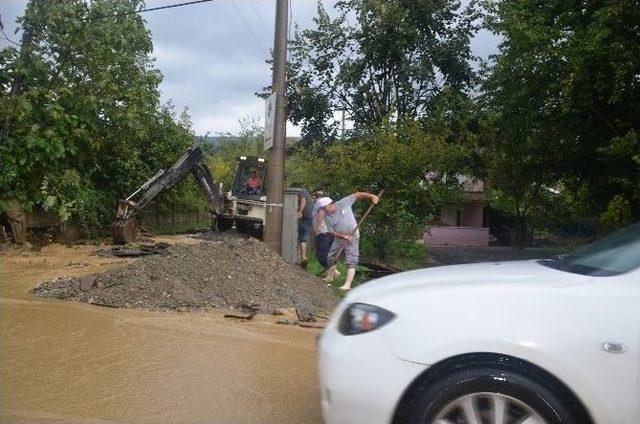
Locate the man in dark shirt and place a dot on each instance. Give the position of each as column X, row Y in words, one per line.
column 305, row 206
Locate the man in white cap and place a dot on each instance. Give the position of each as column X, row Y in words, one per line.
column 342, row 224
column 324, row 238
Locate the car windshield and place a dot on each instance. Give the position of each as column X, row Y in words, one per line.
column 615, row 254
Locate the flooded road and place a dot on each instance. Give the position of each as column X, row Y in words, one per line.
column 66, row 362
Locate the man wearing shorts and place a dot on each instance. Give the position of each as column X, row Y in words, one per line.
column 305, row 204
column 324, row 238
column 342, row 224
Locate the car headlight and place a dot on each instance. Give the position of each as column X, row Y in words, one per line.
column 361, row 318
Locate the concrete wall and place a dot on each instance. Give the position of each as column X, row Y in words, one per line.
column 156, row 219
column 290, row 227
column 471, row 215
column 457, row 236
column 448, row 215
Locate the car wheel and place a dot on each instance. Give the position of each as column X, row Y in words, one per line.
column 486, row 395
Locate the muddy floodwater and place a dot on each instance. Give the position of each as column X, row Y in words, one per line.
column 67, row 362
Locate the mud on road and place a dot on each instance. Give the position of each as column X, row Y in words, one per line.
column 223, row 270
column 71, row 362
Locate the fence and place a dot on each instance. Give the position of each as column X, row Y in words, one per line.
column 175, row 218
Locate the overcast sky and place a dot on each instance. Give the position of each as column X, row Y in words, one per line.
column 212, row 54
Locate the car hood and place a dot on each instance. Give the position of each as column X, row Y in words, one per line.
column 480, row 276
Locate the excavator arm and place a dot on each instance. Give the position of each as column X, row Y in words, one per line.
column 125, row 228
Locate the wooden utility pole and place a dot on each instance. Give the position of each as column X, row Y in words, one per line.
column 275, row 171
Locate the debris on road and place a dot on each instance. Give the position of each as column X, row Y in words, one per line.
column 223, row 271
column 300, row 324
column 304, row 315
column 240, row 316
column 141, row 249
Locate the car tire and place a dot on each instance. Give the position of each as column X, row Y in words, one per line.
column 485, row 388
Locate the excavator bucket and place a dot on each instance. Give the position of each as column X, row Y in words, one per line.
column 125, row 231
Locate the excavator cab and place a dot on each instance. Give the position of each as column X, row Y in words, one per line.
column 249, row 179
column 245, row 203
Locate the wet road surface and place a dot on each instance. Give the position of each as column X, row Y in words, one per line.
column 66, row 362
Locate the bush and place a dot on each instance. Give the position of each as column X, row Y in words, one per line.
column 393, row 157
column 617, row 215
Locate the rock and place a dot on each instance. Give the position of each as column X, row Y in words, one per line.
column 86, row 283
column 284, row 311
column 304, row 315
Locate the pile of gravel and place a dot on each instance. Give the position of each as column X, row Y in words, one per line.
column 223, row 271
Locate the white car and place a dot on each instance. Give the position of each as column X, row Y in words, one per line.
column 527, row 342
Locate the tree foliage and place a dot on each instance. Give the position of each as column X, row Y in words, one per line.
column 393, row 157
column 561, row 102
column 377, row 60
column 223, row 155
column 86, row 125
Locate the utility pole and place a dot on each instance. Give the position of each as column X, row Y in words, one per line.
column 275, row 170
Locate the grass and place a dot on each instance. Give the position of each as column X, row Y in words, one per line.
column 316, row 269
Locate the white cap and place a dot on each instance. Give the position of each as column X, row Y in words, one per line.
column 323, row 201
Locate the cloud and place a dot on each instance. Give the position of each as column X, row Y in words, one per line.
column 212, row 55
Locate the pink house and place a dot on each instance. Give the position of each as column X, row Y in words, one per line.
column 462, row 225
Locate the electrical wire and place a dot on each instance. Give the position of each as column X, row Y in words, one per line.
column 151, row 9
column 6, row 37
column 260, row 46
column 290, row 7
column 262, row 24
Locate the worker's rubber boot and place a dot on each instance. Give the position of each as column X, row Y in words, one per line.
column 351, row 273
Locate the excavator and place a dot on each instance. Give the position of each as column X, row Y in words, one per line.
column 243, row 206
column 125, row 229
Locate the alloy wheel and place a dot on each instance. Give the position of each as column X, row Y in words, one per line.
column 488, row 408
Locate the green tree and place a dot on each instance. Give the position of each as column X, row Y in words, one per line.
column 394, row 157
column 223, row 155
column 87, row 126
column 392, row 62
column 561, row 102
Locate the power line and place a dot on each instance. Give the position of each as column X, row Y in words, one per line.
column 264, row 26
column 251, row 33
column 290, row 7
column 151, row 9
column 6, row 37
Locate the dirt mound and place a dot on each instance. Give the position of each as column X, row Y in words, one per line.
column 224, row 270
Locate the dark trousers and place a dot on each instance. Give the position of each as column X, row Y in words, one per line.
column 323, row 244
